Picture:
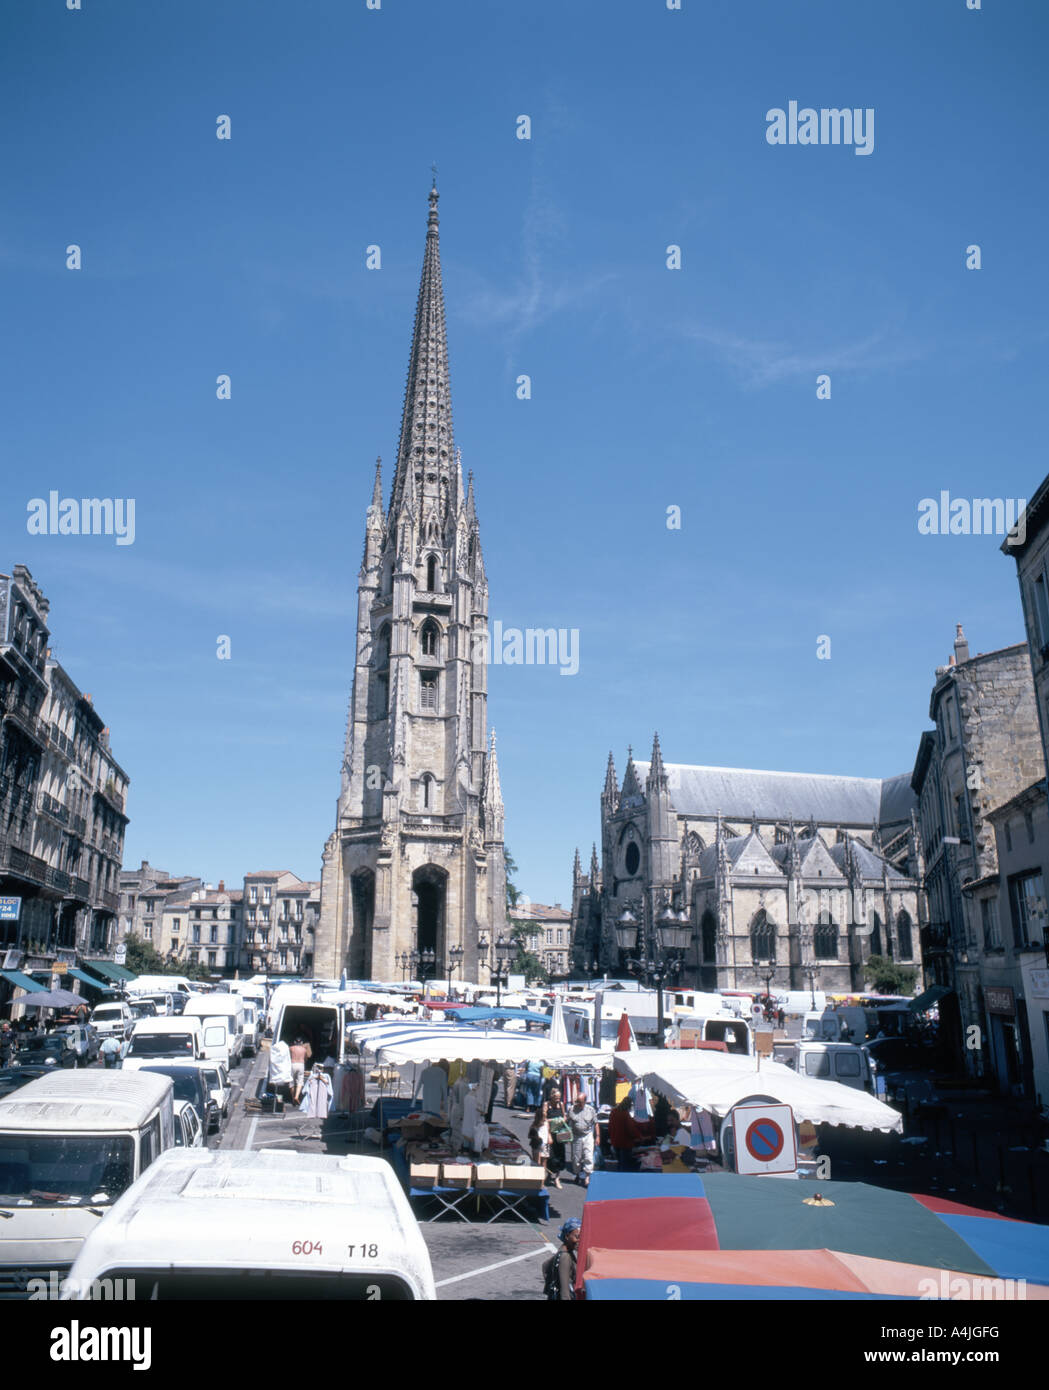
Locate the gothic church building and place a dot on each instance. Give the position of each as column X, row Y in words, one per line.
column 814, row 873
column 416, row 861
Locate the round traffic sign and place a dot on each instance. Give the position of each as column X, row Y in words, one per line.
column 764, row 1139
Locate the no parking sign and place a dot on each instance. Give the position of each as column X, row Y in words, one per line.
column 765, row 1141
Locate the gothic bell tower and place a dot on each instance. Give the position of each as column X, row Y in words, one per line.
column 416, row 862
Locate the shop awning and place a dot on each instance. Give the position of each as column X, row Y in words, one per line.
column 929, row 998
column 110, row 971
column 85, row 979
column 15, row 977
column 467, row 1014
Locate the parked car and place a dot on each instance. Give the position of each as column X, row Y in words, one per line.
column 188, row 1133
column 189, row 1085
column 217, row 1078
column 54, row 1051
column 11, row 1078
column 85, row 1041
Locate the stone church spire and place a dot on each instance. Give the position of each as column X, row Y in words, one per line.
column 417, row 860
column 426, row 444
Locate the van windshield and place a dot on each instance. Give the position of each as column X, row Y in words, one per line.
column 64, row 1169
column 161, row 1045
column 187, row 1082
column 144, row 1285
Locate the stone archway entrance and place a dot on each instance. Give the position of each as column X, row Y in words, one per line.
column 362, row 885
column 429, row 893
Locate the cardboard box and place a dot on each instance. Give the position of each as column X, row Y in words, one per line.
column 523, row 1177
column 425, row 1174
column 489, row 1176
column 457, row 1174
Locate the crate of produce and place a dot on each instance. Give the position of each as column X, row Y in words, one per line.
column 523, row 1177
column 425, row 1174
column 457, row 1174
column 489, row 1176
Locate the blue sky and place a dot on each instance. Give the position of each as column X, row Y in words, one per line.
column 651, row 388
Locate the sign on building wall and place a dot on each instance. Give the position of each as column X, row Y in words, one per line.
column 1038, row 981
column 10, row 909
column 1000, row 999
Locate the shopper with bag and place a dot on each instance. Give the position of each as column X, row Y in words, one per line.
column 581, row 1120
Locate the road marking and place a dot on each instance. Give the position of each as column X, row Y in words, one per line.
column 251, row 1132
column 486, row 1269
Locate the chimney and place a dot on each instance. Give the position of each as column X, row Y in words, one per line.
column 222, row 885
column 961, row 647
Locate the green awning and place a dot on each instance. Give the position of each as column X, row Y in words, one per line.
column 109, row 971
column 929, row 997
column 15, row 977
column 85, row 979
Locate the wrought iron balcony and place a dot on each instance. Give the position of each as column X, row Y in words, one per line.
column 52, row 807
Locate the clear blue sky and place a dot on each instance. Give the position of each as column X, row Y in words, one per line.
column 651, row 388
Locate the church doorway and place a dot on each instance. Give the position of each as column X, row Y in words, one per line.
column 360, row 955
column 429, row 888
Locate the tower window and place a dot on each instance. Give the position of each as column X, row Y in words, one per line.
column 428, row 690
column 427, row 792
column 429, row 638
column 633, row 858
column 431, row 574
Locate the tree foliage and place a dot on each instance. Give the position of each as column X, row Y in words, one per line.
column 145, row 959
column 887, row 977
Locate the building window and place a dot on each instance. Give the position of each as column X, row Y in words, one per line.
column 632, row 859
column 176, row 926
column 825, row 938
column 426, row 793
column 1027, row 897
column 1041, row 610
column 212, row 957
column 266, row 895
column 560, row 938
column 430, row 634
column 214, row 936
column 762, row 938
column 904, row 939
column 992, row 932
column 876, row 936
column 428, row 690
column 1008, row 838
column 196, row 933
column 431, row 574
column 253, row 894
column 147, row 932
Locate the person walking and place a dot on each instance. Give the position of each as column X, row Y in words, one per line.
column 559, row 1270
column 510, row 1084
column 581, row 1119
column 109, row 1051
column 539, row 1138
column 280, row 1069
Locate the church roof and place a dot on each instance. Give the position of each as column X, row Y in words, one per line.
column 741, row 793
column 897, row 799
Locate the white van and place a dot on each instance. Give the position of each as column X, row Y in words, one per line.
column 112, row 1020
column 685, row 1030
column 299, row 1226
column 229, row 1008
column 831, row 1061
column 70, row 1145
column 154, row 1038
column 251, row 1028
column 322, row 1025
column 160, row 984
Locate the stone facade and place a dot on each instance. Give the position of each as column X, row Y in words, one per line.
column 1028, row 545
column 202, row 927
column 1010, row 908
column 143, row 893
column 62, row 795
column 280, row 923
column 986, row 749
column 812, row 872
column 551, row 935
column 416, row 859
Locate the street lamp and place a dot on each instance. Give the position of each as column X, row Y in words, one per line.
column 673, row 932
column 768, row 972
column 812, row 974
column 455, row 958
column 504, row 953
